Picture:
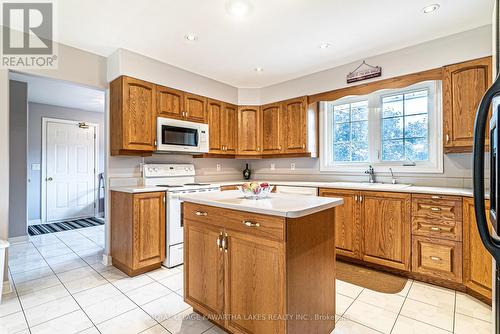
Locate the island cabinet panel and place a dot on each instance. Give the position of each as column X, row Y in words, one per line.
column 249, row 130
column 295, row 124
column 195, row 108
column 386, row 228
column 477, row 260
column 248, row 270
column 255, row 269
column 170, row 102
column 137, row 231
column 463, row 87
column 272, row 128
column 347, row 222
column 132, row 114
column 204, row 267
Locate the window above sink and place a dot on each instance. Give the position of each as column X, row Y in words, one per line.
column 392, row 128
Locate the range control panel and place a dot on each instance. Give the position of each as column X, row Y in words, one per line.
column 167, row 170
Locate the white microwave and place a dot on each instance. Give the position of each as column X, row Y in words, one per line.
column 181, row 136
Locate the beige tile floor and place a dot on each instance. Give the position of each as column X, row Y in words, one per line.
column 62, row 287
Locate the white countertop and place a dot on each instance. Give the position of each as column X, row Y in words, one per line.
column 467, row 192
column 282, row 205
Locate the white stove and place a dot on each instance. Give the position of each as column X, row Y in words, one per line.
column 174, row 179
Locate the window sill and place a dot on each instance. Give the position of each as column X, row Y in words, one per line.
column 357, row 169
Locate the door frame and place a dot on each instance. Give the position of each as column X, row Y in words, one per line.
column 43, row 195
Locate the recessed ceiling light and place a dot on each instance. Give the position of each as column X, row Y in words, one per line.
column 324, row 45
column 259, row 69
column 431, row 8
column 238, row 8
column 191, row 37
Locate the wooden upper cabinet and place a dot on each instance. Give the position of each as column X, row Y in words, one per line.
column 195, row 108
column 229, row 128
column 132, row 114
column 170, row 102
column 477, row 261
column 386, row 228
column 214, row 115
column 347, row 224
column 295, row 125
column 249, row 130
column 464, row 85
column 272, row 125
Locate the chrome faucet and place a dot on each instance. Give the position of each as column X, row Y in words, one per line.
column 371, row 174
column 394, row 180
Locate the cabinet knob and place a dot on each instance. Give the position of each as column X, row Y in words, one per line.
column 201, row 213
column 50, row 179
column 250, row 224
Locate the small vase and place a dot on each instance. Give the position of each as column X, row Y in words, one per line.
column 247, row 173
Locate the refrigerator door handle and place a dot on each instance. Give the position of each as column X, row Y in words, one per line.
column 491, row 243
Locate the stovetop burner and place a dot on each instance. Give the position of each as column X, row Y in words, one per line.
column 168, row 186
column 196, row 184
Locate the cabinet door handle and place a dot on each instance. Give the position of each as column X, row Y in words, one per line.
column 303, row 146
column 435, row 209
column 220, row 238
column 447, row 138
column 360, row 199
column 356, row 198
column 201, row 213
column 225, row 243
column 251, row 224
column 435, row 258
column 433, row 228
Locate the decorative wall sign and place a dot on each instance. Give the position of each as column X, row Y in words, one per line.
column 360, row 73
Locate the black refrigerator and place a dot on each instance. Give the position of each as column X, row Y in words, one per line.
column 491, row 241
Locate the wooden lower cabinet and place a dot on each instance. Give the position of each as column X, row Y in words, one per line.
column 246, row 271
column 437, row 258
column 477, row 261
column 386, row 229
column 137, row 231
column 347, row 222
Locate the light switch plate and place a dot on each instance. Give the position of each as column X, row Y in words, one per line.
column 35, row 166
column 292, row 166
column 273, row 166
column 219, row 167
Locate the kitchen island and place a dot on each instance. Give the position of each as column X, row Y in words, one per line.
column 261, row 266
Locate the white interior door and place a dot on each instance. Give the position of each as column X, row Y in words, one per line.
column 70, row 171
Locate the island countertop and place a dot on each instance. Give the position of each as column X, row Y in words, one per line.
column 282, row 205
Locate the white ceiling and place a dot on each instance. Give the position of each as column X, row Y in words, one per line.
column 61, row 93
column 281, row 36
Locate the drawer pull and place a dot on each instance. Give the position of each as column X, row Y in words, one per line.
column 435, row 228
column 435, row 258
column 435, row 197
column 250, row 224
column 435, row 209
column 201, row 213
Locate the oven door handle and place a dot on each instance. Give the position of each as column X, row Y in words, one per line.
column 492, row 244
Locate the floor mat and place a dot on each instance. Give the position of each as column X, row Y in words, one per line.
column 369, row 278
column 64, row 225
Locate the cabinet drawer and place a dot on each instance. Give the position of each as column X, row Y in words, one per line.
column 253, row 224
column 437, row 207
column 437, row 258
column 437, row 228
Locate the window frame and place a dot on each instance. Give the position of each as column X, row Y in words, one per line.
column 435, row 128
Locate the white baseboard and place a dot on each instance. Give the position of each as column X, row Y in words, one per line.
column 34, row 222
column 19, row 240
column 107, row 260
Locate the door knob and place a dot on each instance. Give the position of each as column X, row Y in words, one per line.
column 50, row 179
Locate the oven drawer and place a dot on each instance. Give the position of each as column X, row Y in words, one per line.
column 437, row 207
column 437, row 258
column 437, row 228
